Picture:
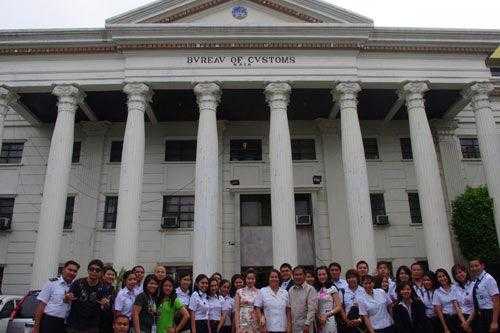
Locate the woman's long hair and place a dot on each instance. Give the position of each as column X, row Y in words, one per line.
column 148, row 279
column 454, row 273
column 328, row 283
column 197, row 281
column 125, row 277
column 162, row 294
column 209, row 291
column 407, row 270
column 232, row 291
column 445, row 273
column 181, row 276
column 400, row 286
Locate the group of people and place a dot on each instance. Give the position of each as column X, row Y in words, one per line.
column 294, row 300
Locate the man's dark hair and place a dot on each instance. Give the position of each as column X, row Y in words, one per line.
column 418, row 263
column 481, row 261
column 71, row 262
column 335, row 264
column 138, row 266
column 362, row 262
column 286, row 265
column 299, row 268
column 119, row 316
column 352, row 273
column 383, row 263
column 108, row 268
column 96, row 262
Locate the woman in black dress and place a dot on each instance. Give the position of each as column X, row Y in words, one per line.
column 409, row 311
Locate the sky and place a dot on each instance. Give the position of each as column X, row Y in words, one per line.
column 477, row 14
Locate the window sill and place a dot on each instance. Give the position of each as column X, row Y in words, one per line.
column 305, row 161
column 106, row 230
column 178, row 162
column 471, row 160
column 417, row 225
column 248, row 162
column 114, row 163
column 407, row 160
column 68, row 231
column 175, row 230
column 76, row 164
column 8, row 231
column 10, row 165
column 374, row 160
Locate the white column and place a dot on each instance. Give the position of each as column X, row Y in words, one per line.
column 6, row 97
column 206, row 198
column 282, row 191
column 355, row 175
column 131, row 173
column 430, row 189
column 50, row 225
column 488, row 141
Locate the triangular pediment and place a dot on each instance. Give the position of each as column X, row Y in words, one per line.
column 231, row 12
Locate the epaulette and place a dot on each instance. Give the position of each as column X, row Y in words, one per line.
column 53, row 279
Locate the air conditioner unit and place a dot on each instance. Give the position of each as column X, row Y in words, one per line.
column 5, row 223
column 303, row 220
column 382, row 220
column 170, row 222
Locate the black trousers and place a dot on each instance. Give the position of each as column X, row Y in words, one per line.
column 202, row 326
column 389, row 329
column 483, row 320
column 226, row 329
column 213, row 326
column 50, row 324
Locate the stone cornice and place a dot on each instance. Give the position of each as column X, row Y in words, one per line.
column 117, row 39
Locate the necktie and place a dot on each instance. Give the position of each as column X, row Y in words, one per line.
column 474, row 294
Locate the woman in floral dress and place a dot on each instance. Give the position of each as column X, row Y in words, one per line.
column 245, row 319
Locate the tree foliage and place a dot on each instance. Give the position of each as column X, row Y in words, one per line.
column 474, row 224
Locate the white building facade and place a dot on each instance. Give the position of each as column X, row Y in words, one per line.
column 218, row 135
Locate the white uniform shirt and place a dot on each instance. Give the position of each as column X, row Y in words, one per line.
column 420, row 291
column 392, row 290
column 215, row 307
column 199, row 305
column 464, row 297
column 341, row 284
column 185, row 297
column 274, row 305
column 285, row 284
column 375, row 307
column 445, row 299
column 427, row 300
column 125, row 301
column 351, row 297
column 138, row 289
column 52, row 295
column 228, row 309
column 486, row 288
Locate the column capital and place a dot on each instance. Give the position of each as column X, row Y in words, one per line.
column 278, row 92
column 68, row 93
column 328, row 126
column 7, row 97
column 344, row 89
column 138, row 92
column 95, row 128
column 413, row 87
column 208, row 95
column 478, row 88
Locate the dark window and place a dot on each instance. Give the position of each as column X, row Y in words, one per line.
column 255, row 210
column 115, row 154
column 470, row 148
column 406, row 151
column 12, row 152
column 77, row 149
column 27, row 308
column 6, row 212
column 303, row 209
column 371, row 148
column 246, row 150
column 415, row 214
column 178, row 212
column 180, row 150
column 378, row 205
column 110, row 211
column 68, row 217
column 2, row 268
column 303, row 149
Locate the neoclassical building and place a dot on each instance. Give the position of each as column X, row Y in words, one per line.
column 216, row 135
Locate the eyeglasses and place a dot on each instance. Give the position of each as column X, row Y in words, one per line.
column 95, row 269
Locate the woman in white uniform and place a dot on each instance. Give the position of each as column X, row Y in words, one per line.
column 374, row 308
column 463, row 287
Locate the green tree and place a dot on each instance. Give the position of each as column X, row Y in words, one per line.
column 474, row 224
